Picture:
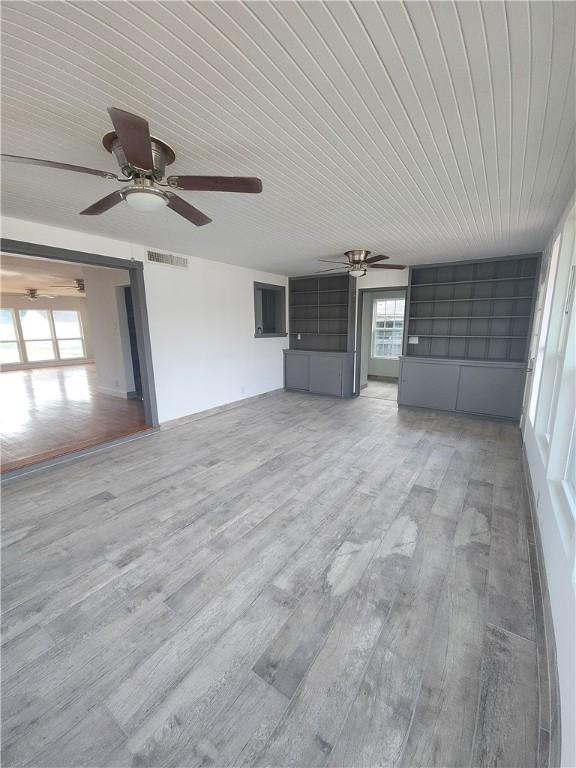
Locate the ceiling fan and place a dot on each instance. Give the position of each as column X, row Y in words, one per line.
column 143, row 160
column 79, row 285
column 359, row 261
column 32, row 294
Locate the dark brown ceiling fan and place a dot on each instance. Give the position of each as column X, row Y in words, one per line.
column 359, row 261
column 143, row 160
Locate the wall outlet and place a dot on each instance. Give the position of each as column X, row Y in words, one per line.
column 412, row 339
column 299, row 336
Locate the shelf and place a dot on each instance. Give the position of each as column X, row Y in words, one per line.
column 472, row 336
column 319, row 306
column 473, row 317
column 296, row 292
column 318, row 333
column 467, row 282
column 485, row 298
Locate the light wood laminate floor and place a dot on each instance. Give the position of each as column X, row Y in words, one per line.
column 49, row 412
column 295, row 582
column 383, row 390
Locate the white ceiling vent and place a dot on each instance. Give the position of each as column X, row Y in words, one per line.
column 169, row 259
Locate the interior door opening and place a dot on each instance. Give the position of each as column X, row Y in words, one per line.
column 381, row 314
column 74, row 359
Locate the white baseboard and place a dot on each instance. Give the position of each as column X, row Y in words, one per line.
column 114, row 392
column 182, row 420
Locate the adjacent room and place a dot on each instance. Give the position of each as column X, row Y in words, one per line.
column 70, row 374
column 288, row 384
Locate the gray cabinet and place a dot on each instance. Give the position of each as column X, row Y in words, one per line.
column 488, row 389
column 297, row 372
column 326, row 373
column 322, row 373
column 428, row 384
column 491, row 389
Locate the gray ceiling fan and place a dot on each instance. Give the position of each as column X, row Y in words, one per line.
column 143, row 160
column 32, row 294
column 358, row 262
column 78, row 285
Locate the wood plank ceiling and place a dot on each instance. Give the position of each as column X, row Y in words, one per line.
column 429, row 131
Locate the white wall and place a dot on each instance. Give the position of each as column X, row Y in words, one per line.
column 202, row 332
column 110, row 342
column 549, row 430
column 201, row 321
column 78, row 304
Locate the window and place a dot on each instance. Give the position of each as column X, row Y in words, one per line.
column 37, row 335
column 40, row 335
column 387, row 327
column 68, row 334
column 269, row 310
column 9, row 350
column 544, row 320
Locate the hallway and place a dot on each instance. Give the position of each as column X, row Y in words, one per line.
column 48, row 412
column 380, row 389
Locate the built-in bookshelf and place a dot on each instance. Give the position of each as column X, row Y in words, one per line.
column 473, row 310
column 320, row 309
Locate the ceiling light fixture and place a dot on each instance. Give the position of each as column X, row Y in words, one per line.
column 145, row 199
column 357, row 272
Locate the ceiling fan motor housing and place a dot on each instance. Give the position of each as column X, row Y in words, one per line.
column 357, row 256
column 162, row 155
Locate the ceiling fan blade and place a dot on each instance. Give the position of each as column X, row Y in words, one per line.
column 372, row 259
column 61, row 166
column 331, row 261
column 216, row 183
column 180, row 206
column 387, row 266
column 334, row 269
column 103, row 205
column 134, row 135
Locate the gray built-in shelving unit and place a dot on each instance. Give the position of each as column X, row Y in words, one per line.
column 320, row 359
column 467, row 338
column 473, row 311
column 320, row 309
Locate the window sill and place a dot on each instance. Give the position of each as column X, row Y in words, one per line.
column 269, row 335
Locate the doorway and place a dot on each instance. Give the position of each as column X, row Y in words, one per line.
column 380, row 334
column 75, row 353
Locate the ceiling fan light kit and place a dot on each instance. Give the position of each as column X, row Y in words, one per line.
column 145, row 199
column 143, row 160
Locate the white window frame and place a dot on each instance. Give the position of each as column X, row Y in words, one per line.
column 80, row 338
column 376, row 317
column 26, row 341
column 553, row 348
column 18, row 339
column 57, row 358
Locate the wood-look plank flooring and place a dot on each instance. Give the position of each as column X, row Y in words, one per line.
column 49, row 412
column 298, row 581
column 383, row 390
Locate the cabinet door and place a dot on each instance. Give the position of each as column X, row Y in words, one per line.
column 297, row 372
column 428, row 385
column 491, row 390
column 326, row 375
